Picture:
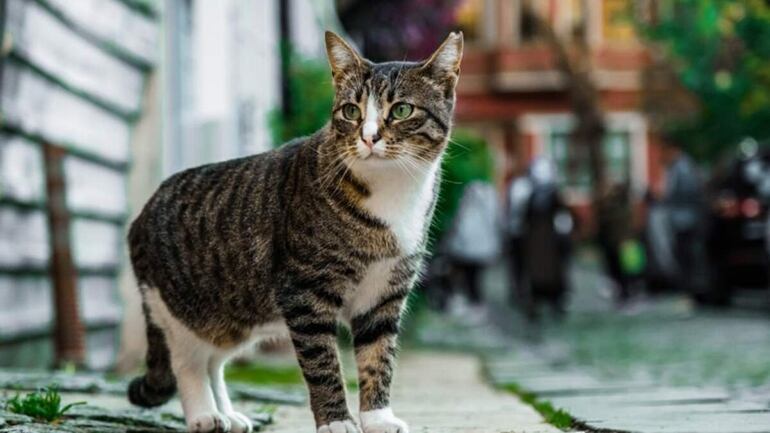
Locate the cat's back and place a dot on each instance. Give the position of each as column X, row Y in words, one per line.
column 204, row 240
column 206, row 197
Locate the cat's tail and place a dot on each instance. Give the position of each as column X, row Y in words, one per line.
column 158, row 384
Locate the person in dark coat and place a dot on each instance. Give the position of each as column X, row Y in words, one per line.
column 547, row 241
column 517, row 200
column 614, row 228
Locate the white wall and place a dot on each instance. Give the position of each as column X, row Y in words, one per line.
column 229, row 77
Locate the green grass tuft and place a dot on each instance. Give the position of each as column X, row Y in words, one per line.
column 556, row 417
column 256, row 374
column 44, row 405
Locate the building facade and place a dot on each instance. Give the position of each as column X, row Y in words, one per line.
column 514, row 94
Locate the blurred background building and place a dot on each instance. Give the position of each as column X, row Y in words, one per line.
column 515, row 94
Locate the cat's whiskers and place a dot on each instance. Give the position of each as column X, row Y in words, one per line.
column 337, row 175
column 416, row 157
column 412, row 162
column 404, row 167
column 339, row 170
column 461, row 146
column 348, row 163
column 335, row 166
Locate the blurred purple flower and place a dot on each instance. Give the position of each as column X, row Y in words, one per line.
column 398, row 29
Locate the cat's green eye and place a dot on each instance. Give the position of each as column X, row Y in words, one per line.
column 401, row 111
column 351, row 111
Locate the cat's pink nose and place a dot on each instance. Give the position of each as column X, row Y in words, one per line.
column 369, row 140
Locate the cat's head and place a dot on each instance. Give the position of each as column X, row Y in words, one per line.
column 385, row 113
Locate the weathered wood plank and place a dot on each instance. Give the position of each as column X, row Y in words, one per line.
column 96, row 244
column 21, row 169
column 99, row 301
column 38, row 106
column 43, row 40
column 92, row 187
column 23, row 238
column 25, row 304
column 114, row 23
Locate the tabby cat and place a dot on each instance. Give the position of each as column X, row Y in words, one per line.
column 328, row 228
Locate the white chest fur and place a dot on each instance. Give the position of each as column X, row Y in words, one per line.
column 373, row 287
column 401, row 198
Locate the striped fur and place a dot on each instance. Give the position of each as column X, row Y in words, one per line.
column 293, row 240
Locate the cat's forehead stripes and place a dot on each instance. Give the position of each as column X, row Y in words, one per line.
column 383, row 80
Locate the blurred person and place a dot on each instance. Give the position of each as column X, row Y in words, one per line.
column 682, row 201
column 473, row 243
column 546, row 242
column 657, row 236
column 614, row 230
column 517, row 200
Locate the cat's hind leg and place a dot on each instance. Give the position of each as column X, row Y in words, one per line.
column 190, row 365
column 239, row 422
column 190, row 359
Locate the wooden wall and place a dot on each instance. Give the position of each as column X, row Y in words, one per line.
column 73, row 73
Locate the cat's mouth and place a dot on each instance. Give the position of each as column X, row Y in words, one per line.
column 375, row 161
column 368, row 151
column 372, row 157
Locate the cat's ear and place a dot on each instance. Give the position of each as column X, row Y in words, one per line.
column 445, row 62
column 342, row 57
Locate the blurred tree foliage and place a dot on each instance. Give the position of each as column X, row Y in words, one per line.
column 720, row 53
column 312, row 96
column 467, row 159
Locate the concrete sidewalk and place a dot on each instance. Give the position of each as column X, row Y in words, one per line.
column 436, row 392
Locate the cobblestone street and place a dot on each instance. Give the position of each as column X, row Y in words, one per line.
column 440, row 393
column 659, row 365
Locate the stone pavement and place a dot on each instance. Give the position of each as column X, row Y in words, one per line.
column 439, row 393
column 435, row 392
column 634, row 405
column 662, row 366
column 108, row 411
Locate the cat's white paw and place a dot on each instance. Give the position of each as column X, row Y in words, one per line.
column 239, row 423
column 382, row 421
column 210, row 422
column 346, row 426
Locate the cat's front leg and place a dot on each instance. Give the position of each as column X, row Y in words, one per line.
column 312, row 323
column 374, row 337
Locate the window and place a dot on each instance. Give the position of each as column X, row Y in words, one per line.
column 572, row 161
column 617, row 20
